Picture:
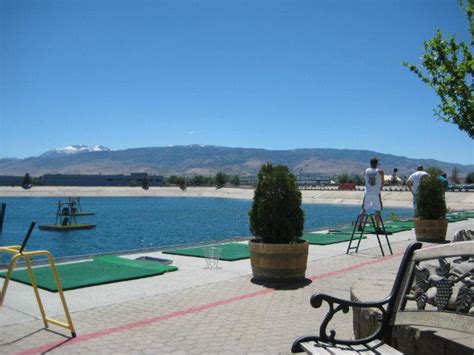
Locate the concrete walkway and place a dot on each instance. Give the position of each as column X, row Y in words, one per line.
column 196, row 310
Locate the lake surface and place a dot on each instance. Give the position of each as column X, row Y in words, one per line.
column 132, row 223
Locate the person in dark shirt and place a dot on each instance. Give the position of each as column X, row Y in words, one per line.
column 444, row 180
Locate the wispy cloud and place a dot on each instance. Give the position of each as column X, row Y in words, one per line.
column 191, row 132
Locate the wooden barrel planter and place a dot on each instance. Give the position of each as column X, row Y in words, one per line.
column 278, row 262
column 431, row 230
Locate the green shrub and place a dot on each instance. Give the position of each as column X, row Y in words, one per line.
column 182, row 183
column 234, row 180
column 27, row 182
column 145, row 183
column 343, row 178
column 430, row 200
column 221, row 179
column 470, row 178
column 276, row 216
column 435, row 171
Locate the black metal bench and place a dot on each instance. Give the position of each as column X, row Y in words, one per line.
column 422, row 295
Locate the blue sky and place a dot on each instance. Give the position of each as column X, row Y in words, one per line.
column 263, row 73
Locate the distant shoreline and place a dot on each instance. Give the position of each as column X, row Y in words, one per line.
column 399, row 199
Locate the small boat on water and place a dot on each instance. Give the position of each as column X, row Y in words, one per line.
column 66, row 217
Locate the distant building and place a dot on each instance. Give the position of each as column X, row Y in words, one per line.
column 310, row 179
column 7, row 180
column 134, row 179
column 250, row 180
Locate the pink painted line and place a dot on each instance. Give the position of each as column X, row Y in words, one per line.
column 187, row 311
column 353, row 267
column 141, row 323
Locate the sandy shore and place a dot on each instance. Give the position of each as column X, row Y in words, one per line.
column 455, row 200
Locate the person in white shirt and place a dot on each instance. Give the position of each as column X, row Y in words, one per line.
column 414, row 181
column 373, row 186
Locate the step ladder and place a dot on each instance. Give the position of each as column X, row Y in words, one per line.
column 17, row 252
column 362, row 221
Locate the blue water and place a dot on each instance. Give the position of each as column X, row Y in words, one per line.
column 131, row 223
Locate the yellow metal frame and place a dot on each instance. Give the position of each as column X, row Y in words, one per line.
column 26, row 255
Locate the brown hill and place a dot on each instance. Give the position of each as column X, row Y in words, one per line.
column 204, row 160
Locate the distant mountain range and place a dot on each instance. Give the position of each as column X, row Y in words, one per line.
column 205, row 160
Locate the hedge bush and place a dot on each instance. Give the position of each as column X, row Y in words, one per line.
column 430, row 199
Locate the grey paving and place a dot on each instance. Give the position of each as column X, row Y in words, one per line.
column 197, row 310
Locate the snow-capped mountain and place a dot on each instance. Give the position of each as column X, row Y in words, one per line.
column 75, row 149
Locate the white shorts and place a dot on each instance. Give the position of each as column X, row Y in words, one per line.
column 372, row 201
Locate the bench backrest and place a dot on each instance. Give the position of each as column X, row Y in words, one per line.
column 437, row 289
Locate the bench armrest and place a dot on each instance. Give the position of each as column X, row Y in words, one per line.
column 318, row 298
column 336, row 305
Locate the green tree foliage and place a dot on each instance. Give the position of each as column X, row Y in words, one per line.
column 221, row 179
column 182, row 183
column 343, row 178
column 430, row 200
column 37, row 181
column 199, row 180
column 455, row 176
column 27, row 181
column 448, row 66
column 234, row 180
column 470, row 178
column 434, row 171
column 145, row 183
column 276, row 216
column 174, row 180
column 359, row 180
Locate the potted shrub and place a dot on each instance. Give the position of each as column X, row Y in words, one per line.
column 276, row 220
column 431, row 224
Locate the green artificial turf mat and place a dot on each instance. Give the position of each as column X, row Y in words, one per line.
column 369, row 229
column 145, row 264
column 451, row 217
column 85, row 274
column 229, row 251
column 461, row 216
column 389, row 228
column 326, row 239
column 405, row 223
column 343, row 230
column 457, row 219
